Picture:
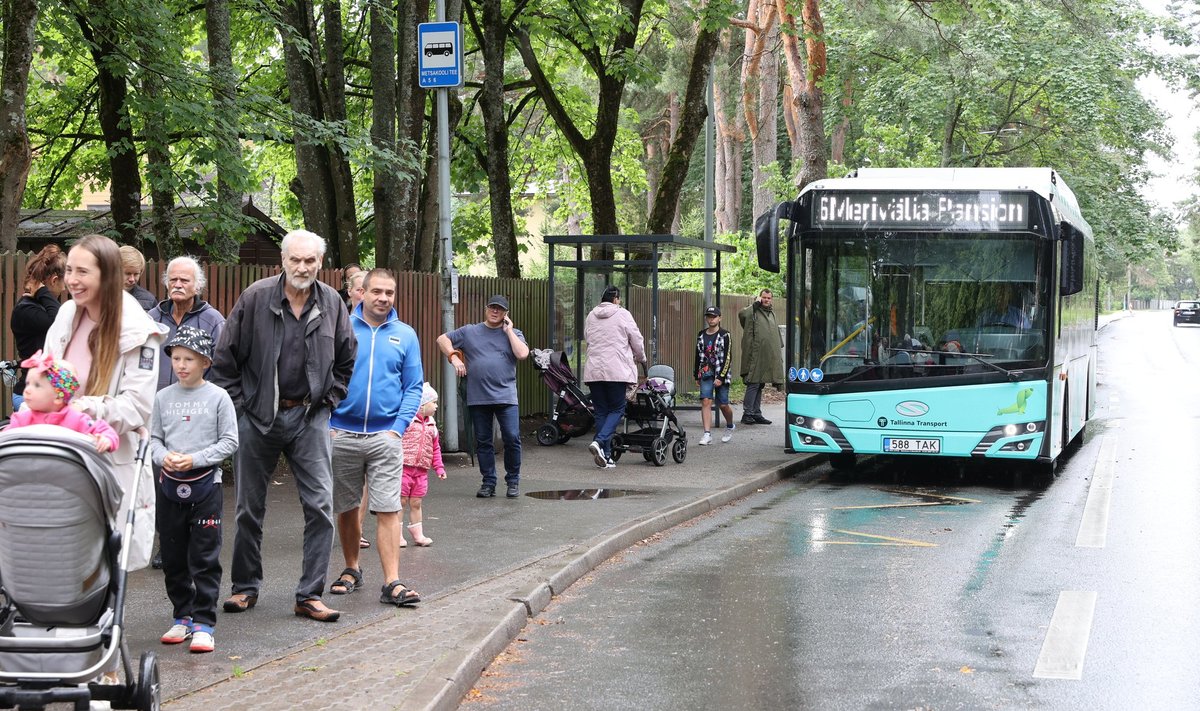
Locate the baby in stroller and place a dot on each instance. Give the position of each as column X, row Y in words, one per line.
column 62, row 575
column 49, row 386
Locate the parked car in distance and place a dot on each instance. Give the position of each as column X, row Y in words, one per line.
column 1187, row 312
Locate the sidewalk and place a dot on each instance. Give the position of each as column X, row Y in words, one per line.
column 494, row 563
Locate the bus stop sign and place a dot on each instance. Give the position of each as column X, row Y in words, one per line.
column 439, row 55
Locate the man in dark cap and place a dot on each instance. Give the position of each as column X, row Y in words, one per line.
column 492, row 348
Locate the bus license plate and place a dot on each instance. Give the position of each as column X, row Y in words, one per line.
column 912, row 445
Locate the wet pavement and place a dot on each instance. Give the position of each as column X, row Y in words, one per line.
column 494, row 562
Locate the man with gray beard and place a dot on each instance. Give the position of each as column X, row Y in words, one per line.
column 285, row 358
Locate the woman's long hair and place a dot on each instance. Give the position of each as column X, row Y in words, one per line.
column 104, row 340
column 50, row 262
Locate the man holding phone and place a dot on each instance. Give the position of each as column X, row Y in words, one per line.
column 491, row 349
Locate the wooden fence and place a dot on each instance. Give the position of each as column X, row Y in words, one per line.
column 418, row 300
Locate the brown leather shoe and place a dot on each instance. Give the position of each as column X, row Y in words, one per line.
column 317, row 610
column 240, row 602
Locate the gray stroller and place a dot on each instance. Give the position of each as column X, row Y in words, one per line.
column 63, row 575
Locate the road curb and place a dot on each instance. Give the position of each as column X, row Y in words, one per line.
column 453, row 677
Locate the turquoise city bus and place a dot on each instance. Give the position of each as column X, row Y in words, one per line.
column 947, row 312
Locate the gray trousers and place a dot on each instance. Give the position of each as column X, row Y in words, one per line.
column 307, row 448
column 752, row 403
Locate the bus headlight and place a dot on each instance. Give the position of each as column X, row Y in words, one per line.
column 818, row 424
column 1010, row 430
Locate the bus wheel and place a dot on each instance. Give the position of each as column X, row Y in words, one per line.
column 842, row 461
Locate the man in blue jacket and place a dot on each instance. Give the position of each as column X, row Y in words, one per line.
column 366, row 429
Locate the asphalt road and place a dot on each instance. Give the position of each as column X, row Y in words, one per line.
column 904, row 587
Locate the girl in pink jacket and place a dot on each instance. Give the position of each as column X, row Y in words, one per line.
column 49, row 386
column 422, row 452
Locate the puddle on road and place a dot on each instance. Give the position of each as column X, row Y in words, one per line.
column 584, row 494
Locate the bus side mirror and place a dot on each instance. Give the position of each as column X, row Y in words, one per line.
column 766, row 236
column 1070, row 279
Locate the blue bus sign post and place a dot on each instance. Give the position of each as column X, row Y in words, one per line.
column 439, row 55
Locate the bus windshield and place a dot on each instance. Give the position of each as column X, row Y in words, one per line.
column 917, row 305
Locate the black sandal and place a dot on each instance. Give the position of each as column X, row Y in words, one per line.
column 345, row 587
column 406, row 596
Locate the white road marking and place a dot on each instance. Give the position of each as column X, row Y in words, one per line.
column 1066, row 641
column 1093, row 529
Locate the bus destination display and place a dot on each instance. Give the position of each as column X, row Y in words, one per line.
column 974, row 211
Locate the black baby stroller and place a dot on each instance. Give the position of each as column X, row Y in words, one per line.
column 572, row 415
column 652, row 411
column 63, row 575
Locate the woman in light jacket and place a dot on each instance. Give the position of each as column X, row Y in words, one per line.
column 614, row 346
column 114, row 346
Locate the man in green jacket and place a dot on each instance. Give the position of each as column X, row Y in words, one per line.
column 762, row 359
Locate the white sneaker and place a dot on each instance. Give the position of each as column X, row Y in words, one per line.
column 610, row 464
column 202, row 642
column 705, row 438
column 597, row 454
column 179, row 632
column 728, row 434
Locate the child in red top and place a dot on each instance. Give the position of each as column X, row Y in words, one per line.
column 49, row 386
column 422, row 452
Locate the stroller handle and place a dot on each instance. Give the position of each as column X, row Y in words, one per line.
column 143, row 443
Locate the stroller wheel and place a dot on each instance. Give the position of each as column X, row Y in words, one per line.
column 617, row 446
column 563, row 438
column 679, row 450
column 147, row 695
column 548, row 434
column 658, row 451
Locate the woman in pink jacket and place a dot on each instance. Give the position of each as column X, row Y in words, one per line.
column 614, row 347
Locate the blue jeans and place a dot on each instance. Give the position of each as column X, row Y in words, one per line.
column 485, row 451
column 608, row 400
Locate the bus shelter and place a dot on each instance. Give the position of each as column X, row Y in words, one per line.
column 581, row 266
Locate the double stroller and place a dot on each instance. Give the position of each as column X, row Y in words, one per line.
column 572, row 415
column 63, row 565
column 650, row 423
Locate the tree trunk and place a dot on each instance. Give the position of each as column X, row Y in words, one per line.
column 765, row 145
column 837, row 148
column 125, row 187
column 153, row 118
column 324, row 183
column 410, row 112
column 312, row 186
column 691, row 123
column 492, row 34
column 158, row 171
column 386, row 189
column 334, row 100
column 223, row 242
column 20, row 21
column 728, row 169
column 806, row 75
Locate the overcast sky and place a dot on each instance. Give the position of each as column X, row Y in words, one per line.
column 1174, row 181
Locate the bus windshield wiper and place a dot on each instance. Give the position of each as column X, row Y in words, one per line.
column 979, row 357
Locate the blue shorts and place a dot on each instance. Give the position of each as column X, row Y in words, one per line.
column 722, row 393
